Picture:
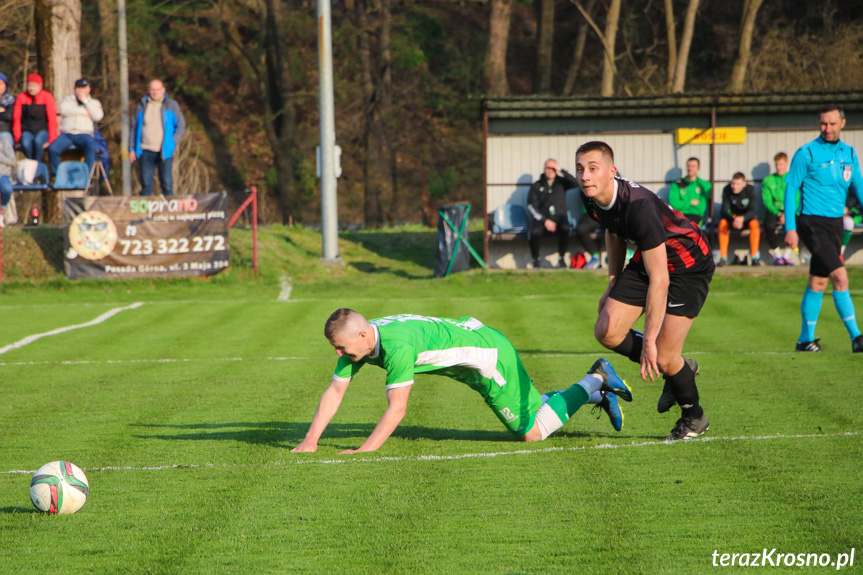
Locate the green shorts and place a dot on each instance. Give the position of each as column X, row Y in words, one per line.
column 516, row 401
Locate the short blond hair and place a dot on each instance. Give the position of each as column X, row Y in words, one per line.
column 343, row 319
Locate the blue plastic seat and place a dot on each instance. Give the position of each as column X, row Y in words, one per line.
column 40, row 181
column 510, row 219
column 71, row 176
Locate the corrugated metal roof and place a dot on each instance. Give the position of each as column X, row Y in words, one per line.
column 547, row 107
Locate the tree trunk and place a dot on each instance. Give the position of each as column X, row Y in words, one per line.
column 544, row 44
column 280, row 112
column 387, row 115
column 578, row 54
column 58, row 45
column 109, row 88
column 370, row 144
column 429, row 211
column 671, row 38
column 608, row 66
column 498, row 40
column 685, row 45
column 744, row 51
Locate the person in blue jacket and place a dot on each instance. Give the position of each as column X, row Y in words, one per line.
column 822, row 171
column 157, row 127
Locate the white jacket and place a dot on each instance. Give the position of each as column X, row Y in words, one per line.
column 79, row 118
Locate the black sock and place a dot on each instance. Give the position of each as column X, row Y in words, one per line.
column 685, row 391
column 631, row 346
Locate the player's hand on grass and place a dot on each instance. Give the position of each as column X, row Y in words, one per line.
column 649, row 365
column 306, row 446
column 349, row 451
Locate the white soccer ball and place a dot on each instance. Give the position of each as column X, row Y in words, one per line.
column 59, row 487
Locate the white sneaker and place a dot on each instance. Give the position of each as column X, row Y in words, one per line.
column 2, row 219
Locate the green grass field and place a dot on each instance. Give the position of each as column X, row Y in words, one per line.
column 183, row 411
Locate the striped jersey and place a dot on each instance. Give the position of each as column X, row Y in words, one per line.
column 463, row 349
column 638, row 215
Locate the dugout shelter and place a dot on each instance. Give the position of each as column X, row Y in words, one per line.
column 651, row 146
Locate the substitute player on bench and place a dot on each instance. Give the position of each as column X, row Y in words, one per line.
column 667, row 279
column 823, row 170
column 465, row 350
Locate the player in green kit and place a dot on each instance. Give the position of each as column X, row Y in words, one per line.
column 465, row 350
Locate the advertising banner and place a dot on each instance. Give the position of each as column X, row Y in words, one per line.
column 146, row 236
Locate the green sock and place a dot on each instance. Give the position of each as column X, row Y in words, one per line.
column 846, row 237
column 567, row 402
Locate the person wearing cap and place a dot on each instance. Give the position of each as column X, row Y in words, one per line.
column 157, row 127
column 80, row 113
column 7, row 106
column 34, row 120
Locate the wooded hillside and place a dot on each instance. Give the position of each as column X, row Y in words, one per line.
column 409, row 77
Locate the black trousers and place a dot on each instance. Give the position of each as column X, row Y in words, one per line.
column 584, row 228
column 771, row 223
column 537, row 231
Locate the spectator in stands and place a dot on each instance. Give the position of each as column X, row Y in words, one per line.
column 7, row 171
column 546, row 204
column 34, row 121
column 157, row 128
column 691, row 195
column 773, row 195
column 7, row 107
column 738, row 211
column 80, row 113
column 590, row 234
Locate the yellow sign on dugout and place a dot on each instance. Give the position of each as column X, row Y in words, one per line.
column 704, row 136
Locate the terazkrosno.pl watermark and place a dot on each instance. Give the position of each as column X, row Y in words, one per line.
column 773, row 558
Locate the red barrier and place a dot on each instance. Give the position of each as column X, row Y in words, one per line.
column 253, row 200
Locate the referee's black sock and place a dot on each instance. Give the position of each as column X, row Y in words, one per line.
column 631, row 346
column 685, row 391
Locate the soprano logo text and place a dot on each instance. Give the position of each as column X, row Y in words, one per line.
column 773, row 558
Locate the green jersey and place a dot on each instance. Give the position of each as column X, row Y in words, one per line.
column 690, row 197
column 463, row 349
column 773, row 193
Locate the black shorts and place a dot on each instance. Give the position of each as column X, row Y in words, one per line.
column 687, row 291
column 823, row 237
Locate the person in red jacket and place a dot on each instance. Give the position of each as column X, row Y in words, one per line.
column 34, row 121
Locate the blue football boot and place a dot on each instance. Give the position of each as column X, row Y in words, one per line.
column 611, row 382
column 610, row 406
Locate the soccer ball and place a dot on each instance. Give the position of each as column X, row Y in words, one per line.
column 59, row 487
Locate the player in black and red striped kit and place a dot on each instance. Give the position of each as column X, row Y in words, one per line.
column 667, row 279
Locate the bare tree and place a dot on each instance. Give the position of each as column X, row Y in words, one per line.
column 578, row 52
column 387, row 114
column 544, row 45
column 109, row 88
column 500, row 16
column 370, row 146
column 744, row 51
column 671, row 37
column 264, row 58
column 608, row 68
column 685, row 44
column 58, row 44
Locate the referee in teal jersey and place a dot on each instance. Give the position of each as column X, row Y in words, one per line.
column 822, row 171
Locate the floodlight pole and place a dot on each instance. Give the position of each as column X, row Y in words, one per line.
column 124, row 99
column 329, row 211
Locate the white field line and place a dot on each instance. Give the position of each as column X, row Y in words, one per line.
column 287, row 286
column 348, row 459
column 160, row 360
column 102, row 318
